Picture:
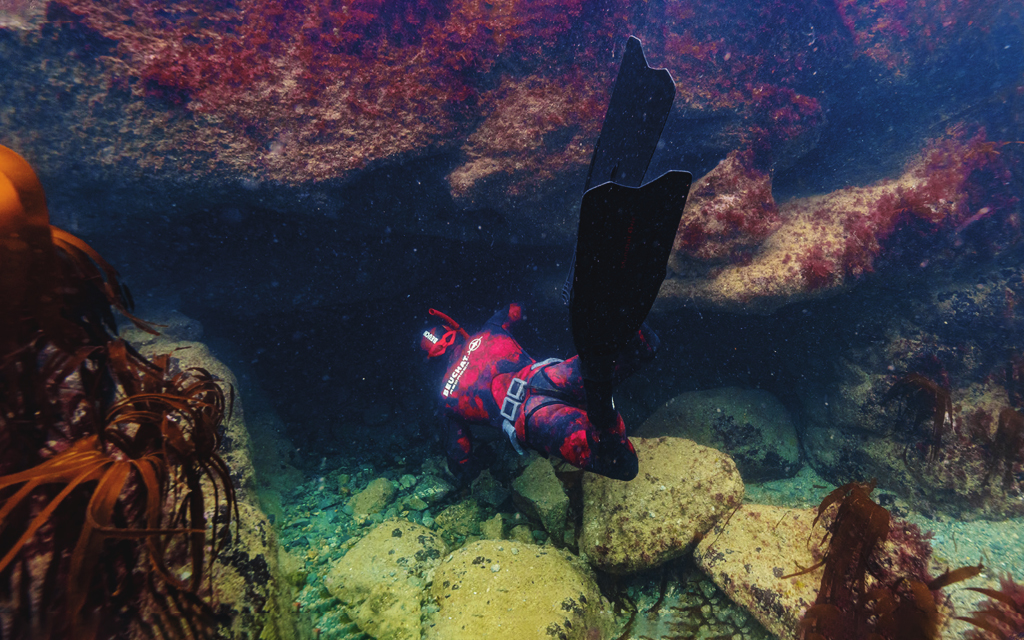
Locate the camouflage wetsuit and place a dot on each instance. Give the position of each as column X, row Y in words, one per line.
column 491, row 380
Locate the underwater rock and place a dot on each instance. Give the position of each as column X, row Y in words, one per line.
column 539, row 493
column 494, row 528
column 960, row 335
column 748, row 553
column 414, row 503
column 489, row 491
column 381, row 579
column 372, row 499
column 826, row 243
column 521, row 533
column 459, row 521
column 503, row 590
column 750, row 425
column 532, row 150
column 432, row 489
column 251, row 587
column 173, row 324
column 729, row 210
column 683, row 488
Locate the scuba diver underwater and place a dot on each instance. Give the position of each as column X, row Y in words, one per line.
column 627, row 227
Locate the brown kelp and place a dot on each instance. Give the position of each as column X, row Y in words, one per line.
column 107, row 458
column 1007, row 445
column 926, row 401
column 868, row 592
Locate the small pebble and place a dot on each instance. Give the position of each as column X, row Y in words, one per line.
column 495, row 568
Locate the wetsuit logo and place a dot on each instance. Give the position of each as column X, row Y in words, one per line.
column 453, row 380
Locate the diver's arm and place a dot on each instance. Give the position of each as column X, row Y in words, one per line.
column 458, row 444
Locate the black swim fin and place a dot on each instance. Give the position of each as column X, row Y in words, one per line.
column 626, row 228
column 639, row 108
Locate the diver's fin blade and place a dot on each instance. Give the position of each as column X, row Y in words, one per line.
column 622, row 249
column 640, row 105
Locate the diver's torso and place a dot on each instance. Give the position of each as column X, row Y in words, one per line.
column 479, row 374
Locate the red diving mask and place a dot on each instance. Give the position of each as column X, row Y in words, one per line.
column 436, row 340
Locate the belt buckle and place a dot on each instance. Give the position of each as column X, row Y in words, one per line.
column 513, row 399
column 517, row 389
column 509, row 408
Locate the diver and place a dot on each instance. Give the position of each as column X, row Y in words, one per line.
column 539, row 405
column 626, row 230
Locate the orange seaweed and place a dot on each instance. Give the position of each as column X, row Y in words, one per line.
column 106, row 458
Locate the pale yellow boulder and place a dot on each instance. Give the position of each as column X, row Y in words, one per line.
column 681, row 490
column 381, row 579
column 504, row 590
column 748, row 554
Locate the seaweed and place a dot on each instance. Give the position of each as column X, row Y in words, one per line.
column 1007, row 445
column 106, row 458
column 1002, row 616
column 856, row 529
column 928, row 401
column 861, row 596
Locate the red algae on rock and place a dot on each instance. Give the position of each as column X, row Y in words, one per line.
column 827, row 242
column 324, row 88
column 539, row 130
column 729, row 210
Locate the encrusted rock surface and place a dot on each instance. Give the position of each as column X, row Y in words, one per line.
column 539, row 493
column 504, row 590
column 750, row 425
column 826, row 243
column 248, row 580
column 432, row 489
column 747, row 554
column 952, row 332
column 729, row 210
column 682, row 489
column 372, row 499
column 460, row 520
column 382, row 578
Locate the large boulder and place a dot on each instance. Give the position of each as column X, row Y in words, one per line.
column 750, row 425
column 748, row 556
column 382, row 577
column 503, row 590
column 682, row 489
column 827, row 243
column 249, row 583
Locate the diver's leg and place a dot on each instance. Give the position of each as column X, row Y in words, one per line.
column 564, row 431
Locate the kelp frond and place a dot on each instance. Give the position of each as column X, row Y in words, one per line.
column 52, row 282
column 107, row 459
column 857, row 599
column 151, row 441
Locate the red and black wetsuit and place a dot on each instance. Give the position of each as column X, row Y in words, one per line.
column 491, row 380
